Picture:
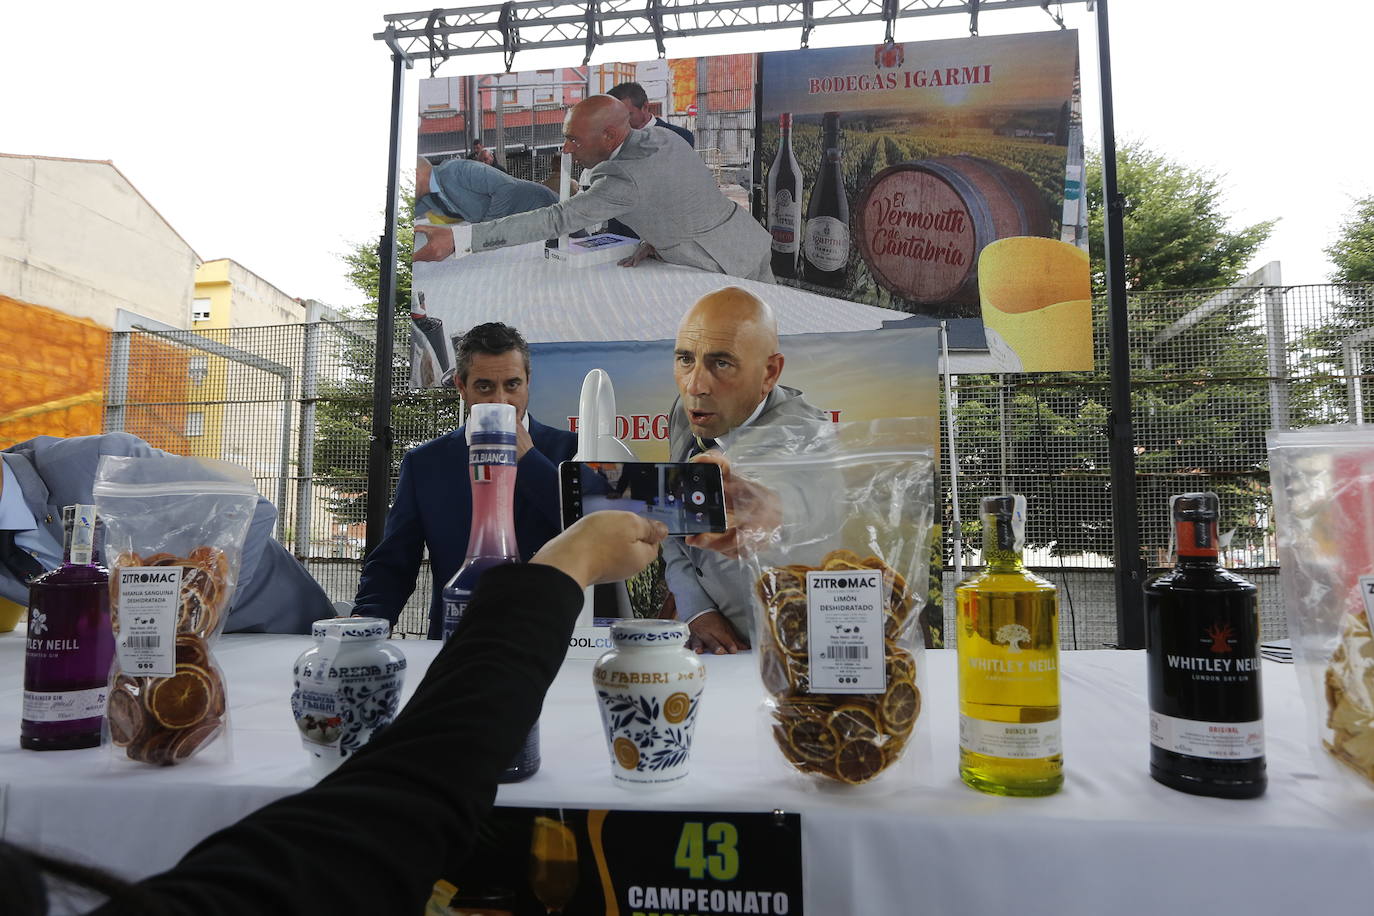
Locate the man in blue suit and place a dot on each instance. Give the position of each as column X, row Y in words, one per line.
column 275, row 593
column 432, row 507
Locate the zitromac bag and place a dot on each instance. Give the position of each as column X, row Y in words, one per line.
column 838, row 586
column 175, row 529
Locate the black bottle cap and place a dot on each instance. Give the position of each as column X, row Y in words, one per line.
column 1196, row 507
column 1003, row 506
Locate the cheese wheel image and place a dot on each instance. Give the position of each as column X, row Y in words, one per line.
column 1037, row 295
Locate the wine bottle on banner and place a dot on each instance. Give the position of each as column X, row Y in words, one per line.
column 491, row 539
column 1202, row 626
column 825, row 248
column 1008, row 624
column 784, row 202
column 70, row 645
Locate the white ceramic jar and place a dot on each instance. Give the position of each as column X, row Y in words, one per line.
column 347, row 686
column 649, row 689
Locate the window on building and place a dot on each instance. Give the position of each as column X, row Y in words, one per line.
column 509, row 96
column 544, row 93
column 198, row 368
column 200, row 309
column 195, row 423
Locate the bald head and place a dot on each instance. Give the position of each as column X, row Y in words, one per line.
column 725, row 360
column 594, row 128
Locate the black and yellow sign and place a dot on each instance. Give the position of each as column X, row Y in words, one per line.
column 633, row 863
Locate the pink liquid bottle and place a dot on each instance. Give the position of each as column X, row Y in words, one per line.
column 491, row 541
column 69, row 645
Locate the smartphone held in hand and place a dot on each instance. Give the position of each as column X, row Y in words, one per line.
column 688, row 497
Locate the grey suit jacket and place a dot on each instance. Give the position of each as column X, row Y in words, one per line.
column 703, row 579
column 660, row 188
column 275, row 594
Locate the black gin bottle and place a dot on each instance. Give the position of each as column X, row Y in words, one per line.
column 1202, row 622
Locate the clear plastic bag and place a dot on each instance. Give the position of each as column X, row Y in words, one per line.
column 174, row 534
column 838, row 585
column 1323, row 484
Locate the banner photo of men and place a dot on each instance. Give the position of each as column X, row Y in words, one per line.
column 941, row 179
column 651, row 194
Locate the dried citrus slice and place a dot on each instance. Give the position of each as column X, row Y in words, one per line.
column 626, row 754
column 773, row 670
column 777, row 579
column 789, row 621
column 900, row 707
column 182, row 700
column 154, row 747
column 191, row 650
column 799, row 673
column 900, row 665
column 125, row 712
column 859, row 761
column 676, row 707
column 189, row 741
column 854, row 722
column 842, row 559
column 813, row 740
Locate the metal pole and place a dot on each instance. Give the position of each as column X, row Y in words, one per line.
column 1276, row 339
column 1130, row 568
column 379, row 446
column 283, row 456
column 305, row 480
column 117, row 384
column 957, row 536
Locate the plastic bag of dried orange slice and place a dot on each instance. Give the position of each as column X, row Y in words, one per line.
column 174, row 533
column 838, row 574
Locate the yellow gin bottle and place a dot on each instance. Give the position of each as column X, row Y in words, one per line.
column 1008, row 626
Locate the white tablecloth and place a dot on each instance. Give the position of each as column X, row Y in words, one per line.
column 1112, row 841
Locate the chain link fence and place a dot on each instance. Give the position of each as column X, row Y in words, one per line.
column 1212, row 371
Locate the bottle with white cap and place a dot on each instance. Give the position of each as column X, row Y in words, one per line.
column 491, row 541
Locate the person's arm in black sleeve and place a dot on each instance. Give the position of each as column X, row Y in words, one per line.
column 390, row 570
column 409, row 801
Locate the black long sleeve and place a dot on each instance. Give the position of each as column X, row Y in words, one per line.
column 373, row 836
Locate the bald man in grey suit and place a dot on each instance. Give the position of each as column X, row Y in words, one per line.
column 652, row 182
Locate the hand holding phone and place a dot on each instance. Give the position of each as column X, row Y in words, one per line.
column 685, row 496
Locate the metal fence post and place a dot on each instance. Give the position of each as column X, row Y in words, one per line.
column 305, row 481
column 1276, row 337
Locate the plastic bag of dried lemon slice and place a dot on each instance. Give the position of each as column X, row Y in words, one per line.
column 174, row 533
column 1323, row 484
column 837, row 585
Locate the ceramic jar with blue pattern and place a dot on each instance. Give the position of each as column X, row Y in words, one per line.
column 347, row 688
column 649, row 690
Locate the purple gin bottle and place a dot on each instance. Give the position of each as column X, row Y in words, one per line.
column 69, row 645
column 491, row 540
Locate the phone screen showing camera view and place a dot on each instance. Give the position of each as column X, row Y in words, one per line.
column 686, row 497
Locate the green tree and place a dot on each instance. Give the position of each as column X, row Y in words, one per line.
column 1177, row 233
column 1353, row 253
column 344, row 411
column 1200, row 405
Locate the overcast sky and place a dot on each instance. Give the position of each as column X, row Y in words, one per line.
column 259, row 129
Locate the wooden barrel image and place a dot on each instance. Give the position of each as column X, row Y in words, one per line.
column 921, row 225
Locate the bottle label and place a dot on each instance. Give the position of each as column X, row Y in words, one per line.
column 455, row 605
column 845, row 620
column 83, row 535
column 149, row 600
column 64, row 705
column 486, row 455
column 1213, row 740
column 1367, row 590
column 784, row 221
column 827, row 243
column 1012, row 740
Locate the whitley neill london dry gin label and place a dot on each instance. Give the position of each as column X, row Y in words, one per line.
column 1202, row 622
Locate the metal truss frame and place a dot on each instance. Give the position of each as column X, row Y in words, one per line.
column 439, row 34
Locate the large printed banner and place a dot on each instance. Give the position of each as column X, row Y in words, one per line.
column 942, row 179
column 945, row 186
column 531, row 862
column 853, row 376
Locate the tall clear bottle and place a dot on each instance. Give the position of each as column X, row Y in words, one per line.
column 1008, row 624
column 491, row 539
column 69, row 645
column 784, row 202
column 1202, row 626
column 825, row 249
